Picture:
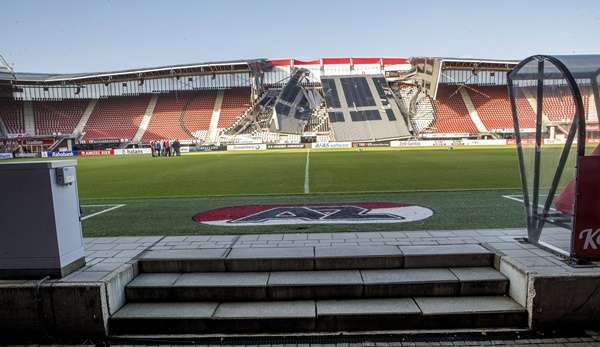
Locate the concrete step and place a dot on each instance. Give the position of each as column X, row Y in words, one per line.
column 298, row 285
column 314, row 258
column 322, row 315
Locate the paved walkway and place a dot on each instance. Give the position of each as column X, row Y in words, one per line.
column 106, row 254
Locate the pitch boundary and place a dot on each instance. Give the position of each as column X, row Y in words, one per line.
column 112, row 208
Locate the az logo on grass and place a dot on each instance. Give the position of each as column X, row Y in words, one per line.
column 336, row 213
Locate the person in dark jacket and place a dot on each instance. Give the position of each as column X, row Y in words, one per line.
column 177, row 147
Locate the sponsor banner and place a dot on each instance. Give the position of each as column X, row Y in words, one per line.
column 334, row 213
column 104, row 141
column 4, row 156
column 373, row 144
column 247, row 140
column 434, row 135
column 247, row 147
column 499, row 142
column 61, row 154
column 132, row 151
column 184, row 149
column 585, row 242
column 446, row 143
column 406, row 143
column 547, row 141
column 27, row 155
column 426, row 143
column 332, row 145
column 96, row 152
column 285, row 145
column 555, row 141
column 206, row 148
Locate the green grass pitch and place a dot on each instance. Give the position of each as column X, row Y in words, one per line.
column 464, row 187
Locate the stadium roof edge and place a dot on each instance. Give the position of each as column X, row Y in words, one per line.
column 208, row 67
column 467, row 63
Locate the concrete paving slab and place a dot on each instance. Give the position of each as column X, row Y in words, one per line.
column 367, row 306
column 183, row 260
column 166, row 310
column 471, row 304
column 86, row 276
column 367, row 314
column 480, row 281
column 162, row 318
column 463, row 255
column 409, row 282
column 222, row 286
column 151, row 287
column 270, row 259
column 189, row 287
column 154, row 280
column 264, row 317
column 358, row 257
column 294, row 285
column 267, row 309
column 184, row 254
column 471, row 312
column 223, row 279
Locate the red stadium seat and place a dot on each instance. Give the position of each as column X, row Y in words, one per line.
column 199, row 111
column 116, row 118
column 452, row 115
column 493, row 107
column 11, row 112
column 58, row 117
column 235, row 102
column 166, row 122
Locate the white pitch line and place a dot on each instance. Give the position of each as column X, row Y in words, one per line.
column 104, row 205
column 520, row 200
column 512, row 197
column 306, row 174
column 114, row 207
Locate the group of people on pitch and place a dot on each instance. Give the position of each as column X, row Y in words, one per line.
column 165, row 148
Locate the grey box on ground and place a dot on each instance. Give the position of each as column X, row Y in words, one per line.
column 40, row 222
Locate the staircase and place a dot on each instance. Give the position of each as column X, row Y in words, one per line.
column 213, row 130
column 312, row 289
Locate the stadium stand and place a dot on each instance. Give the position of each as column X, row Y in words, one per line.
column 165, row 122
column 493, row 106
column 11, row 112
column 557, row 106
column 452, row 115
column 58, row 117
column 235, row 102
column 197, row 115
column 116, row 118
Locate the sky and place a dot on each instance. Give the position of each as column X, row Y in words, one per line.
column 66, row 36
